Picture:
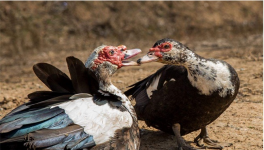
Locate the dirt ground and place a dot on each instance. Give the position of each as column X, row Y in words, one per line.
column 33, row 32
column 241, row 124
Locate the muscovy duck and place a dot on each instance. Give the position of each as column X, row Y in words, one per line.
column 185, row 95
column 84, row 112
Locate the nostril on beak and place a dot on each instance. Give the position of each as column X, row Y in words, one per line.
column 139, row 61
column 126, row 56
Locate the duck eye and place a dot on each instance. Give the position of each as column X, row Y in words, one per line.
column 166, row 46
column 111, row 52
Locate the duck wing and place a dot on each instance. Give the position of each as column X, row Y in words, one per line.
column 70, row 137
column 82, row 79
column 142, row 90
column 45, row 125
column 53, row 78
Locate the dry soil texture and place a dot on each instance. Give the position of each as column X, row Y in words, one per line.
column 240, row 124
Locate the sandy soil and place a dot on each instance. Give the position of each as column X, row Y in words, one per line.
column 241, row 124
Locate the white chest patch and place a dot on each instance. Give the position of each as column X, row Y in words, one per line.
column 211, row 76
column 153, row 86
column 99, row 121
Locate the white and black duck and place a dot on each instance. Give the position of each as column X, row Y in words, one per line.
column 84, row 112
column 185, row 95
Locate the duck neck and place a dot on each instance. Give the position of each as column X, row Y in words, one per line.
column 207, row 75
column 109, row 87
column 105, row 85
column 199, row 68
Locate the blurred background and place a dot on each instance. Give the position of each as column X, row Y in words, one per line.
column 33, row 32
column 30, row 27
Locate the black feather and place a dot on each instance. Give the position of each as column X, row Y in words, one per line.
column 138, row 90
column 21, row 114
column 29, row 106
column 38, row 117
column 165, row 76
column 52, row 101
column 17, row 144
column 58, row 137
column 53, row 78
column 102, row 97
column 15, row 139
column 44, row 95
column 81, row 79
column 51, row 128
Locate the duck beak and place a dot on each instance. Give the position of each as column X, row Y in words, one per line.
column 148, row 58
column 129, row 54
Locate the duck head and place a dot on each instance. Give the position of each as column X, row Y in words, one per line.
column 167, row 51
column 106, row 60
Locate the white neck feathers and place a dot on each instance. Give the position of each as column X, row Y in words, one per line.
column 209, row 76
column 125, row 101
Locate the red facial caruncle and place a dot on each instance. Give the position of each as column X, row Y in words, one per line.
column 164, row 47
column 111, row 54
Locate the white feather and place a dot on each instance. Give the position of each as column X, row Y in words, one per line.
column 153, row 86
column 100, row 121
column 206, row 86
column 172, row 80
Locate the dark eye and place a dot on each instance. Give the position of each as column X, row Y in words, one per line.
column 111, row 52
column 166, row 46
